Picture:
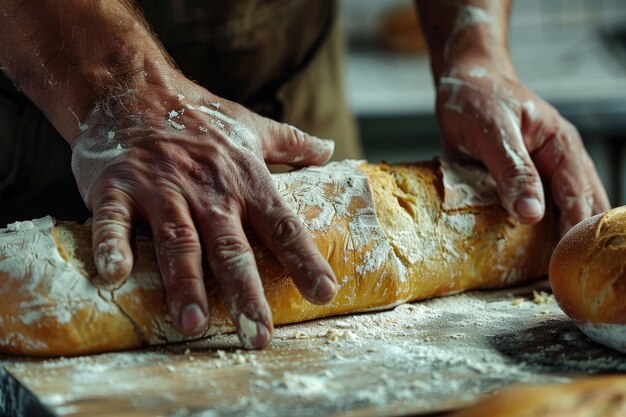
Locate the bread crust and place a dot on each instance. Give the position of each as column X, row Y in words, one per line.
column 392, row 233
column 588, row 276
column 591, row 397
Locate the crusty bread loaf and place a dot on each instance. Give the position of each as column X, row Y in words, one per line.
column 392, row 233
column 591, row 397
column 588, row 277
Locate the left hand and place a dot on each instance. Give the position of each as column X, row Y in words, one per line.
column 485, row 113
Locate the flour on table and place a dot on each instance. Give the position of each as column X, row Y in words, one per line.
column 414, row 358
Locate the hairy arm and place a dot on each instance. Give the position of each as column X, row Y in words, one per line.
column 67, row 55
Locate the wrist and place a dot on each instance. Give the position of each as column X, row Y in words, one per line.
column 104, row 91
column 493, row 61
column 476, row 47
column 465, row 32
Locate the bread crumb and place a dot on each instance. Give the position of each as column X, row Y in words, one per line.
column 332, row 335
column 542, row 297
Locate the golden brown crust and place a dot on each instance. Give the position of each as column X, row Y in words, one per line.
column 592, row 397
column 588, row 269
column 384, row 229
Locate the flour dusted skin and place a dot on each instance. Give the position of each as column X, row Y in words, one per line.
column 392, row 233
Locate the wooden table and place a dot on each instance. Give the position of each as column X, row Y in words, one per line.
column 416, row 359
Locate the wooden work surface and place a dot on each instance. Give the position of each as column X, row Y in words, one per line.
column 415, row 359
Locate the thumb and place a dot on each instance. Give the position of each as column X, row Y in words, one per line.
column 508, row 160
column 286, row 144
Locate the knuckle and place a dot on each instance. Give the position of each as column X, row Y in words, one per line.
column 295, row 137
column 519, row 174
column 245, row 139
column 222, row 210
column 288, row 231
column 569, row 138
column 178, row 238
column 227, row 249
column 110, row 210
column 161, row 147
column 183, row 286
column 246, row 299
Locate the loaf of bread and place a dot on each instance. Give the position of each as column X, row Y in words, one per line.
column 590, row 397
column 392, row 233
column 588, row 277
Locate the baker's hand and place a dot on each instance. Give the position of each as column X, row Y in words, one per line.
column 193, row 166
column 485, row 113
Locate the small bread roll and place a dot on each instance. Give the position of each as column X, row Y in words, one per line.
column 591, row 397
column 588, row 277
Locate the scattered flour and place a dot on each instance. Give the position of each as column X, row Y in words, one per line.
column 467, row 186
column 419, row 357
column 477, row 72
column 301, row 385
column 308, row 192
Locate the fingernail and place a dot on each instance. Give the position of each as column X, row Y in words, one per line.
column 192, row 317
column 253, row 334
column 529, row 207
column 324, row 288
column 109, row 261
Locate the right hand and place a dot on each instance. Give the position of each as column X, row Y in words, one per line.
column 521, row 139
column 198, row 186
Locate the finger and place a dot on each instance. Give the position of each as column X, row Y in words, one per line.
column 561, row 159
column 111, row 233
column 601, row 201
column 282, row 232
column 573, row 195
column 232, row 263
column 285, row 144
column 508, row 160
column 179, row 256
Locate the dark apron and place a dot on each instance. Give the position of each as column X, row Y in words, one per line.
column 281, row 58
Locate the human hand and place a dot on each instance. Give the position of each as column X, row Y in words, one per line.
column 193, row 166
column 485, row 113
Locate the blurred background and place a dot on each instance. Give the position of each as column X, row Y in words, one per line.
column 570, row 52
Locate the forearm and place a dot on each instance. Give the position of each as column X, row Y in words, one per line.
column 67, row 55
column 464, row 29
